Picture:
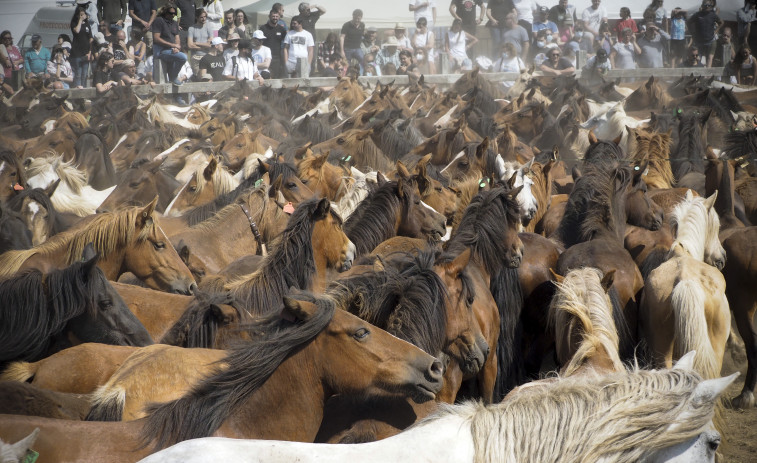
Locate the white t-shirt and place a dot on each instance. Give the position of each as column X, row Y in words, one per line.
column 593, row 18
column 298, row 44
column 261, row 55
column 525, row 9
column 246, row 68
column 425, row 12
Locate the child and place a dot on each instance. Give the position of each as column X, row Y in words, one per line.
column 677, row 36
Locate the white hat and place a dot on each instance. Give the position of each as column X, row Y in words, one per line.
column 66, row 45
column 391, row 41
column 83, row 2
column 100, row 38
column 258, row 34
column 217, row 41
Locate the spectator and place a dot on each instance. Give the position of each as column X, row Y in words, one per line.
column 424, row 9
column 185, row 75
column 542, row 45
column 62, row 38
column 81, row 47
column 330, row 66
column 564, row 16
column 187, row 8
column 90, row 6
column 423, row 63
column 326, row 49
column 555, row 65
column 242, row 66
column 389, row 69
column 214, row 10
column 144, row 69
column 10, row 57
column 128, row 74
column 36, row 58
column 99, row 44
column 625, row 22
column 660, row 15
column 212, row 64
column 309, row 16
column 604, row 39
column 723, row 39
column 625, row 52
column 274, row 38
column 370, row 68
column 119, row 49
column 279, row 8
column 112, row 13
column 228, row 24
column 703, row 25
column 596, row 68
column 403, row 42
column 543, row 23
column 745, row 67
column 297, row 44
column 745, row 17
column 677, row 36
column 261, row 54
column 143, row 14
column 693, row 58
column 388, row 54
column 591, row 18
column 652, row 44
column 509, row 61
column 516, row 34
column 232, row 46
column 423, row 39
column 166, row 42
column 59, row 68
column 198, row 40
column 370, row 43
column 465, row 11
column 102, row 79
column 351, row 37
column 525, row 10
column 497, row 11
column 407, row 67
column 456, row 45
column 242, row 25
column 137, row 48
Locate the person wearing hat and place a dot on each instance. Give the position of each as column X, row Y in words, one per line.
column 543, row 23
column 112, row 13
column 652, row 45
column 370, row 43
column 403, row 41
column 232, row 45
column 81, row 46
column 274, row 40
column 212, row 63
column 564, row 16
column 143, row 13
column 309, row 15
column 389, row 54
column 351, row 37
column 297, row 44
column 127, row 74
column 166, row 42
column 261, row 54
column 596, row 67
column 242, row 66
column 465, row 11
column 36, row 58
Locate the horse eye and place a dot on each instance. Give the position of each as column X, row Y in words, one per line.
column 291, row 185
column 13, row 174
column 105, row 303
column 192, row 189
column 304, row 181
column 714, row 444
column 361, row 334
column 130, row 145
column 134, row 185
column 187, row 148
column 340, row 140
column 159, row 245
column 439, row 189
column 469, row 300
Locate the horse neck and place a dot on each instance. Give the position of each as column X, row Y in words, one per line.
column 692, row 234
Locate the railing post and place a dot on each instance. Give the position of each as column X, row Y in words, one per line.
column 580, row 59
column 303, row 68
column 157, row 70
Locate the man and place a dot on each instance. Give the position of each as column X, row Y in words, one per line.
column 274, row 37
column 308, row 17
column 279, row 8
column 515, row 33
column 120, row 50
column 143, row 14
column 407, row 67
column 261, row 54
column 596, row 67
column 693, row 59
column 388, row 54
column 298, row 43
column 543, row 23
column 351, row 38
column 554, row 65
column 724, row 38
column 186, row 19
column 166, row 42
column 591, row 18
column 652, row 44
column 564, row 16
column 370, row 43
column 330, row 69
column 112, row 13
column 36, row 58
column 198, row 39
column 213, row 64
column 465, row 11
column 242, row 66
column 703, row 25
column 228, row 24
column 425, row 9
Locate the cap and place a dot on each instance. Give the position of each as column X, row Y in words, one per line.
column 258, row 34
column 651, row 24
column 36, row 37
column 217, row 41
column 245, row 44
column 371, row 29
column 543, row 9
column 399, row 26
column 391, row 41
column 233, row 36
column 66, row 45
column 99, row 38
column 128, row 62
column 82, row 2
column 602, row 53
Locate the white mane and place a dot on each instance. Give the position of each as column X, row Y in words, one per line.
column 698, row 226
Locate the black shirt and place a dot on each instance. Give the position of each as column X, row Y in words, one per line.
column 500, row 9
column 187, row 8
column 100, row 77
column 274, row 36
column 308, row 22
column 353, row 36
column 80, row 43
column 167, row 29
column 562, row 63
column 466, row 10
column 213, row 65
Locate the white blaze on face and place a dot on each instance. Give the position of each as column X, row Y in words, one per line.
column 170, row 150
column 457, row 156
column 120, row 140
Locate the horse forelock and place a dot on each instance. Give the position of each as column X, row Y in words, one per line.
column 697, row 227
column 598, row 203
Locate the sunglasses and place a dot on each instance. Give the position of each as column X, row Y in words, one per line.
column 554, row 54
column 173, row 13
column 694, row 56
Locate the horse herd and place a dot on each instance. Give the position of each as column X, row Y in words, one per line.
column 280, row 275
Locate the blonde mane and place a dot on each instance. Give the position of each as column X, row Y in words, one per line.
column 223, row 180
column 697, row 227
column 74, row 178
column 581, row 298
column 156, row 112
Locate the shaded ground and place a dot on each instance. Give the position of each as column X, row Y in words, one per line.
column 740, row 434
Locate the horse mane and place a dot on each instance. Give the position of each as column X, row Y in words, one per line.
column 373, row 220
column 37, row 306
column 649, row 406
column 689, row 154
column 659, row 165
column 11, row 158
column 257, row 200
column 156, row 112
column 354, row 194
column 37, row 195
column 74, row 178
column 739, row 143
column 201, row 411
column 695, row 226
column 289, row 264
column 389, row 140
column 314, row 130
column 604, row 151
column 108, row 232
column 581, row 297
column 466, row 188
column 223, row 181
column 198, row 325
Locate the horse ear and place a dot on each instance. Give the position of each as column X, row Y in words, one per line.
column 321, row 160
column 515, row 192
column 649, row 83
column 51, row 188
column 210, row 168
column 423, row 161
column 275, row 187
column 183, row 251
column 734, row 115
column 482, row 148
column 303, row 151
column 555, row 276
column 145, row 214
column 380, row 178
column 689, row 195
column 297, row 310
column 20, row 448
column 608, row 279
column 555, row 153
column 710, row 389
column 686, row 362
column 709, row 202
column 652, row 117
column 457, row 266
column 263, row 166
column 706, row 115
column 402, row 170
column 511, row 181
column 527, row 166
column 322, row 209
column 88, row 253
column 592, row 137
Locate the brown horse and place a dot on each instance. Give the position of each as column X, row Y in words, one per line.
column 138, row 185
column 347, row 95
column 255, row 396
column 651, row 95
column 242, row 144
column 128, row 240
column 208, row 181
column 358, row 144
column 325, row 179
column 24, row 399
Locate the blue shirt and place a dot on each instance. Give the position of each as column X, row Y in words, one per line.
column 36, row 62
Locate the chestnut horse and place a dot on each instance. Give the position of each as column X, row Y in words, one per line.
column 256, row 396
column 207, row 182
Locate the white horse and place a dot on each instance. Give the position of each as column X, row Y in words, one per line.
column 649, row 416
column 526, row 199
column 613, row 122
column 16, row 453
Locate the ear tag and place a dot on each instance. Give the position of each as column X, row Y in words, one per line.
column 18, row 187
column 258, row 183
column 288, row 208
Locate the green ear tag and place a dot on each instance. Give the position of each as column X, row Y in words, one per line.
column 258, row 182
column 30, row 457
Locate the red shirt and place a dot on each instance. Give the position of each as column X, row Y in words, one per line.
column 629, row 23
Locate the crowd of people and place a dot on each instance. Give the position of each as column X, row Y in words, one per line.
column 199, row 40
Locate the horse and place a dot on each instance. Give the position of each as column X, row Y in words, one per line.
column 91, row 157
column 207, row 182
column 242, row 144
column 12, row 176
column 684, row 304
column 24, row 399
column 128, row 240
column 358, row 144
column 14, row 234
column 668, row 416
column 650, row 95
column 45, row 312
column 38, row 213
column 689, row 155
column 17, row 453
column 141, row 144
column 325, row 179
column 138, row 185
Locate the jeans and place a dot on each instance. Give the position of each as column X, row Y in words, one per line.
column 172, row 61
column 80, row 66
column 496, row 33
column 356, row 53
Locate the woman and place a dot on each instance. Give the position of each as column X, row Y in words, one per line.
column 456, row 45
column 81, row 47
column 241, row 25
column 424, row 39
column 214, row 9
column 604, row 38
column 624, row 53
column 137, row 48
column 102, row 79
column 660, row 15
column 60, row 69
column 745, row 67
column 509, row 62
column 625, row 21
column 10, row 56
column 326, row 49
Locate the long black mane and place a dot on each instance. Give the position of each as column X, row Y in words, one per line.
column 13, row 232
column 373, row 220
column 201, row 411
column 688, row 155
column 55, row 224
column 198, row 325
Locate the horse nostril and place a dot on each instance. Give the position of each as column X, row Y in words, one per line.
column 437, row 369
column 192, row 288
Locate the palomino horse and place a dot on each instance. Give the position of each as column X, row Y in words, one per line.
column 255, row 396
column 206, row 183
column 129, row 240
column 660, row 410
column 43, row 313
column 684, row 306
column 325, row 179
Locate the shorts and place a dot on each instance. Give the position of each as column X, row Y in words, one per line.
column 678, row 48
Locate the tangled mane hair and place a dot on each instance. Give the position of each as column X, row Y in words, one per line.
column 740, row 143
column 689, row 155
column 74, row 178
column 201, row 411
column 198, row 325
column 223, row 181
column 373, row 220
column 581, row 300
column 38, row 195
column 109, row 233
column 696, row 227
column 619, row 418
